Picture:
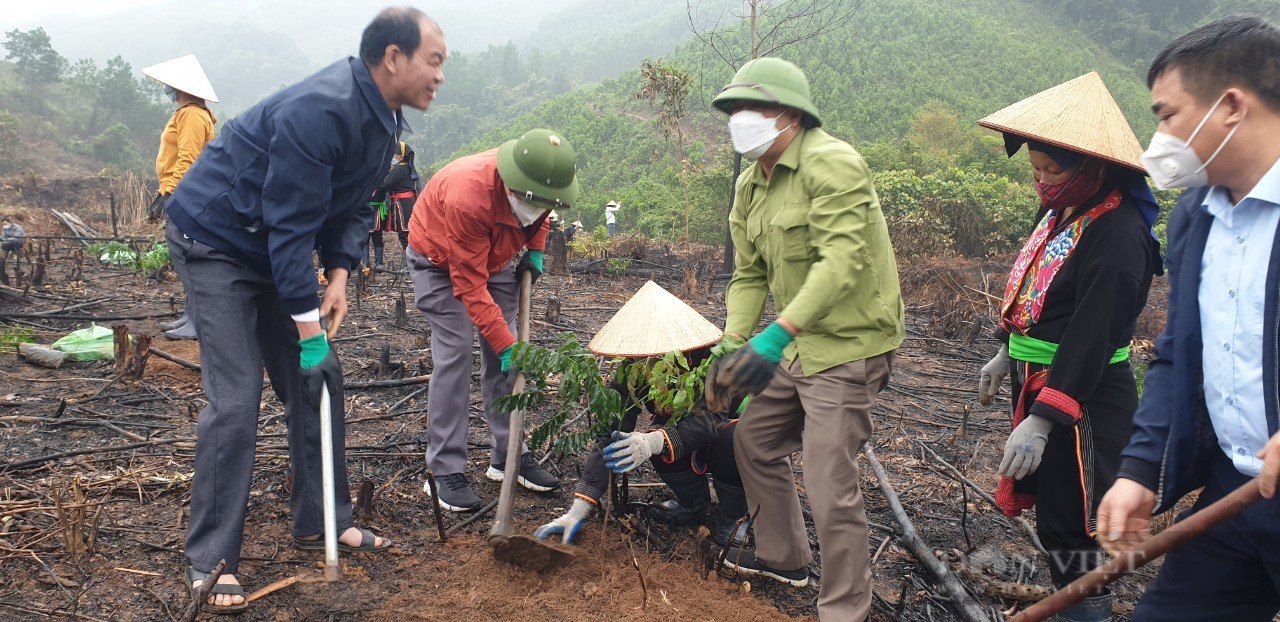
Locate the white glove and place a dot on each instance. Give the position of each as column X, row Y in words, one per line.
column 1025, row 447
column 993, row 374
column 631, row 449
column 568, row 524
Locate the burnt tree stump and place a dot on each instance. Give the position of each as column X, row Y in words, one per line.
column 557, row 255
column 553, row 310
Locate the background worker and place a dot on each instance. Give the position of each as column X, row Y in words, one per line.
column 393, row 202
column 683, row 452
column 189, row 129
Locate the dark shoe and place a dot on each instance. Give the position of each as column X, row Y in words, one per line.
column 176, row 324
column 1092, row 609
column 186, row 331
column 692, row 498
column 731, row 508
column 745, row 562
column 194, row 575
column 456, row 494
column 531, row 475
column 368, row 544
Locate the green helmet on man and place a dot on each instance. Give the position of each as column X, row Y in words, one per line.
column 772, row 81
column 540, row 166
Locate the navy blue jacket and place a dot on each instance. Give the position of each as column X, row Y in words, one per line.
column 1173, row 438
column 293, row 174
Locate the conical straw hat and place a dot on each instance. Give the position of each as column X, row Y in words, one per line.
column 1079, row 115
column 654, row 322
column 184, row 74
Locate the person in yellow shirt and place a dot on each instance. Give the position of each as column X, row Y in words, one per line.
column 184, row 137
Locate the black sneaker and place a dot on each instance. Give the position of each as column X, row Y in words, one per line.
column 455, row 493
column 531, row 476
column 746, row 563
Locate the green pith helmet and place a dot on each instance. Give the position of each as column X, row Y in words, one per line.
column 773, row 81
column 540, row 166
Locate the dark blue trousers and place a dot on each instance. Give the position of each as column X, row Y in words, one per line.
column 1230, row 573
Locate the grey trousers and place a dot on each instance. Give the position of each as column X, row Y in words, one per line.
column 449, row 393
column 828, row 415
column 242, row 329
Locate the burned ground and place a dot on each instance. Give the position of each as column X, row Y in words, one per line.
column 96, row 470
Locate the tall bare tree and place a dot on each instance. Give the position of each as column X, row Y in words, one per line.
column 774, row 24
column 666, row 85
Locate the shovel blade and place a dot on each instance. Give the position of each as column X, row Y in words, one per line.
column 529, row 553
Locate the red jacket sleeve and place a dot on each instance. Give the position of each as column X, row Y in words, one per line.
column 539, row 240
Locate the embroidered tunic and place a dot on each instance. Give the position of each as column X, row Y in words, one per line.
column 1079, row 285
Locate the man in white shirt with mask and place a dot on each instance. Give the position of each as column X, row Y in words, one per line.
column 467, row 228
column 1208, row 415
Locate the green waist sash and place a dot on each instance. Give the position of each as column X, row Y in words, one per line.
column 1032, row 350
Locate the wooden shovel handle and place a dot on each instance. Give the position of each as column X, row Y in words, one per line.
column 1155, row 546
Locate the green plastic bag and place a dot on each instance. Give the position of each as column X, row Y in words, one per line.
column 96, row 343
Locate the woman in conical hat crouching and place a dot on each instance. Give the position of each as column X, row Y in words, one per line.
column 651, row 324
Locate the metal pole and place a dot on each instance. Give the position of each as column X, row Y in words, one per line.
column 331, row 569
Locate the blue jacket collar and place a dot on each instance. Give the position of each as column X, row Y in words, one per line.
column 396, row 123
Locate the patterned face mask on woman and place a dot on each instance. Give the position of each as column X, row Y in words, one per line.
column 1071, row 193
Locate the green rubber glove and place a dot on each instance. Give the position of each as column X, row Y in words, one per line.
column 728, row 344
column 506, row 357
column 771, row 341
column 536, row 258
column 314, row 349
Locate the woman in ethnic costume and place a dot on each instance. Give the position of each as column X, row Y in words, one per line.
column 1068, row 314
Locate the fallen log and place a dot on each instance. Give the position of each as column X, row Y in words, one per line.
column 18, row 465
column 382, row 384
column 965, row 606
column 42, row 356
column 174, row 359
column 1022, row 522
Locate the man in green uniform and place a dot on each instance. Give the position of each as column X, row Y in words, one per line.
column 808, row 229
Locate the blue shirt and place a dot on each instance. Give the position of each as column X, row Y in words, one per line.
column 1233, row 276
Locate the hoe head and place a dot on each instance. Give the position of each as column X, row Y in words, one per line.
column 529, row 553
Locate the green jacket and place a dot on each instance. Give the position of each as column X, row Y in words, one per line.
column 813, row 235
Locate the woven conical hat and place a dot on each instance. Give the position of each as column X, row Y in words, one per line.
column 1079, row 115
column 184, row 74
column 654, row 322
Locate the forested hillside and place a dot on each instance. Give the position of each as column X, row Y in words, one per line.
column 903, row 80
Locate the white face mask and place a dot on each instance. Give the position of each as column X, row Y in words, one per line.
column 171, row 93
column 753, row 133
column 525, row 211
column 1171, row 161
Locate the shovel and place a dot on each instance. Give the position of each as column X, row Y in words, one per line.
column 331, row 569
column 1155, row 546
column 522, row 551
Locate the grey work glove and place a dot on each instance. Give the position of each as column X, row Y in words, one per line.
column 993, row 374
column 1025, row 447
column 568, row 524
column 631, row 449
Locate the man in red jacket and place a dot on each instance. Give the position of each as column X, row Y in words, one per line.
column 467, row 228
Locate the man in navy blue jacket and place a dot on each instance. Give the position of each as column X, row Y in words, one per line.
column 1208, row 415
column 288, row 176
